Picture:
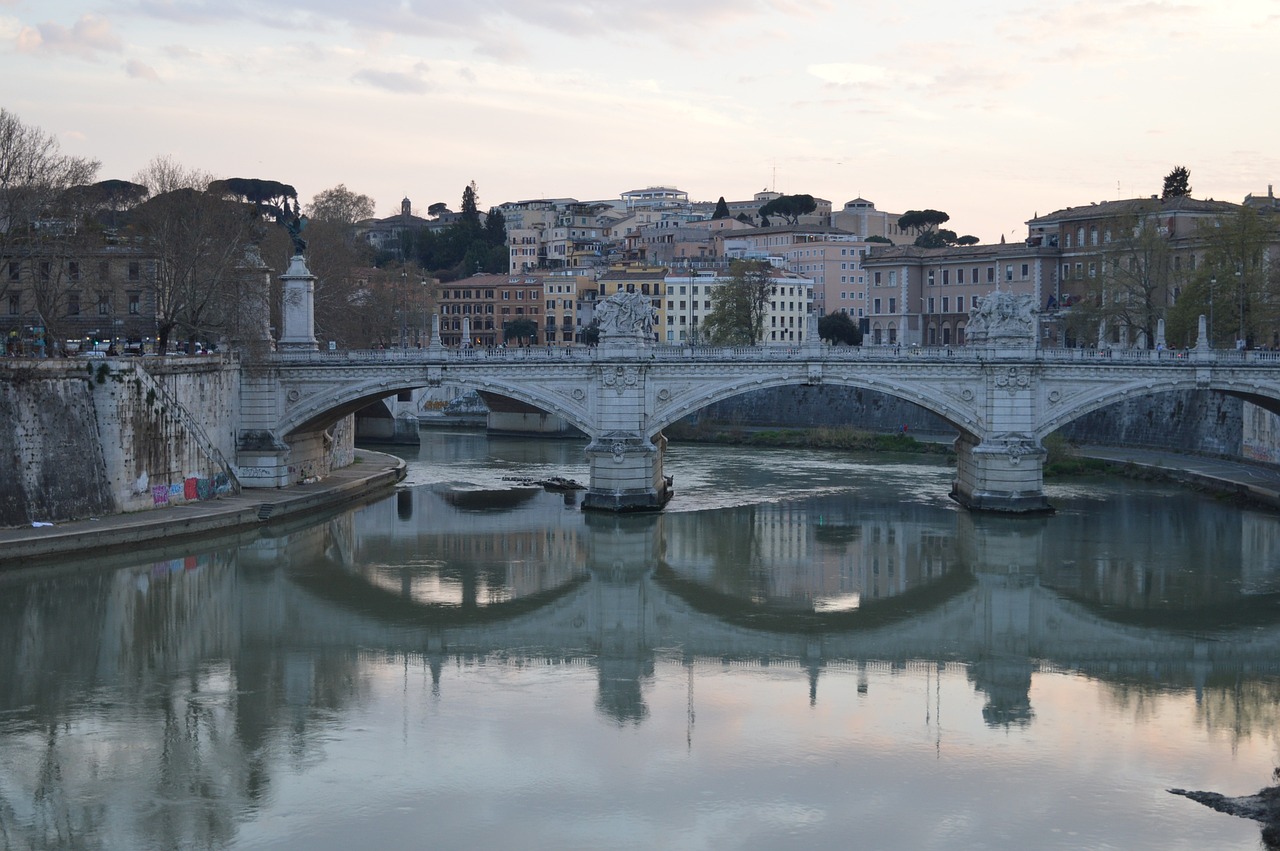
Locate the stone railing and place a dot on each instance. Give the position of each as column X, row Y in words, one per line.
column 773, row 353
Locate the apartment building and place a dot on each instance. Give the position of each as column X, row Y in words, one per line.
column 689, row 295
column 482, row 305
column 828, row 256
column 922, row 296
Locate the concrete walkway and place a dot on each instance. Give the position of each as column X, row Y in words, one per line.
column 1254, row 481
column 373, row 473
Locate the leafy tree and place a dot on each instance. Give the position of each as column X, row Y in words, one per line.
column 739, row 305
column 471, row 206
column 722, row 210
column 967, row 239
column 520, row 329
column 744, row 218
column 495, row 229
column 922, row 221
column 883, row 240
column 591, row 334
column 789, row 207
column 1177, row 182
column 839, row 328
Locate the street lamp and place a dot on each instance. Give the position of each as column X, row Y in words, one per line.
column 1213, row 282
column 1240, row 286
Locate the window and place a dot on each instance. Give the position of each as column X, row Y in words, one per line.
column 1066, row 271
column 959, row 276
column 1008, row 272
column 991, row 274
column 930, row 277
column 1093, row 234
column 73, row 304
column 946, row 277
column 73, row 270
column 15, row 270
column 876, row 279
column 1025, row 271
column 893, row 305
column 930, row 309
column 893, row 279
column 45, row 271
column 104, row 270
column 946, row 304
column 875, row 306
column 959, row 304
column 15, row 303
column 104, row 305
column 135, row 270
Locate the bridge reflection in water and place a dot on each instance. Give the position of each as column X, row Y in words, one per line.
column 231, row 650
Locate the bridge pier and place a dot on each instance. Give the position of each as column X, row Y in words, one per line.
column 626, row 473
column 1005, row 474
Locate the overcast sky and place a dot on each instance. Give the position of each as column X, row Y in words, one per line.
column 992, row 111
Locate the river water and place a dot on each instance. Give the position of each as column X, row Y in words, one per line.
column 805, row 650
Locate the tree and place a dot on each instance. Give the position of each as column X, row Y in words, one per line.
column 37, row 234
column 722, row 210
column 922, row 221
column 470, row 206
column 343, row 305
column 967, row 239
column 789, row 207
column 197, row 241
column 340, row 205
column 1177, row 183
column 839, row 328
column 520, row 329
column 1131, row 281
column 739, row 305
column 437, row 209
column 882, row 240
column 1235, row 285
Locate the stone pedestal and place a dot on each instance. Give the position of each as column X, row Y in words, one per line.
column 298, row 324
column 626, row 474
column 1005, row 474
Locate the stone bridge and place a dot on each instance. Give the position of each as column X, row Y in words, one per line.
column 1002, row 393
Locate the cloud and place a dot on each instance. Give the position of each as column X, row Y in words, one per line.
column 396, row 82
column 141, row 71
column 86, row 38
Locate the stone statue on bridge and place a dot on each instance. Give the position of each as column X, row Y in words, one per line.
column 626, row 319
column 1002, row 319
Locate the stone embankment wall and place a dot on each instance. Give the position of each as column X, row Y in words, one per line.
column 97, row 437
column 1202, row 422
column 100, row 437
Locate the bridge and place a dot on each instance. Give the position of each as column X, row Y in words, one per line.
column 1002, row 393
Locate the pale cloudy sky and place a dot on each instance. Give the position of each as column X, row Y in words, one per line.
column 992, row 111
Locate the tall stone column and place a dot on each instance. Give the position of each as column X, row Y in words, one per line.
column 251, row 325
column 298, row 321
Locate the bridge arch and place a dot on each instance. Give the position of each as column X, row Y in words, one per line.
column 933, row 402
column 1257, row 393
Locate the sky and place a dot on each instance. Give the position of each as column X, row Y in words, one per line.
column 991, row 111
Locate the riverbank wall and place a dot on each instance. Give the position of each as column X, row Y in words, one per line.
column 93, row 438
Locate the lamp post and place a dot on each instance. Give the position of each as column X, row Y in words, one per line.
column 1240, row 341
column 1213, row 282
column 404, row 275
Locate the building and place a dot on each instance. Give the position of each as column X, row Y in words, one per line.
column 384, row 234
column 690, row 294
column 483, row 305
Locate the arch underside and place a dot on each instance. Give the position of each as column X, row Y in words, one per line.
column 1114, row 395
column 322, row 413
column 670, row 414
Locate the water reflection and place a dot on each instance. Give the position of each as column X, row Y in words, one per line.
column 155, row 704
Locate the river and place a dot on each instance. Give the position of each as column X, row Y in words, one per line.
column 807, row 649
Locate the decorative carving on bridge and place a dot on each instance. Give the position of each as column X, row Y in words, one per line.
column 579, row 394
column 1002, row 319
column 621, row 377
column 293, row 395
column 664, row 395
column 619, row 450
column 626, row 319
column 1016, row 445
column 1013, row 380
column 1054, row 397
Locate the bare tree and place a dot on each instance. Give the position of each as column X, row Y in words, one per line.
column 37, row 232
column 197, row 242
